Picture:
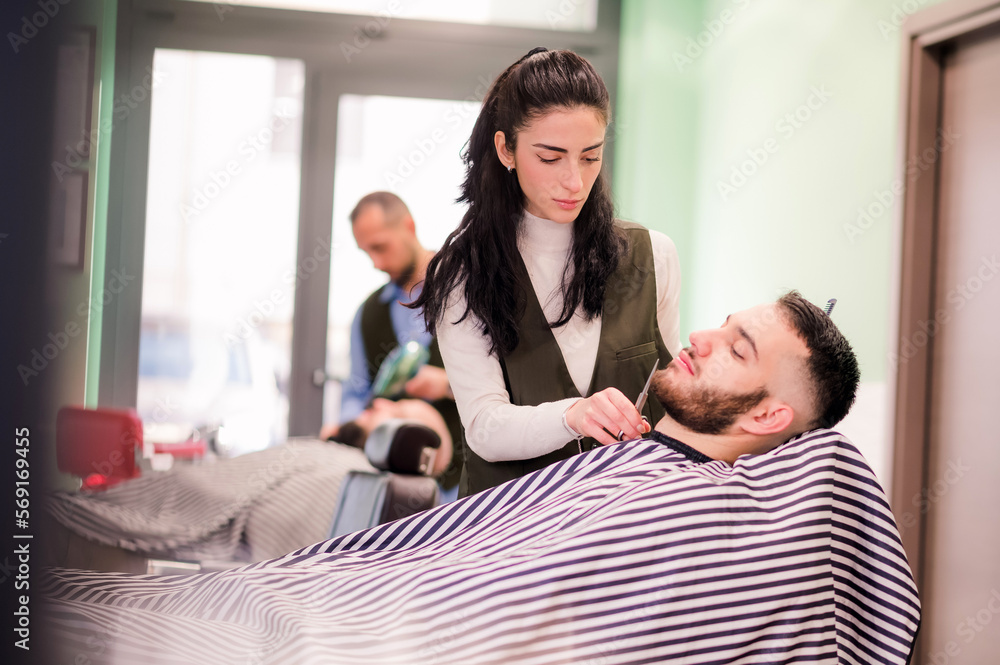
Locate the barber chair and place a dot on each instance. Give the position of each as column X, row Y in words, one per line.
column 101, row 446
column 404, row 452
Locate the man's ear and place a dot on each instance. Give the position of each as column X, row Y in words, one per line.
column 409, row 224
column 771, row 416
column 506, row 157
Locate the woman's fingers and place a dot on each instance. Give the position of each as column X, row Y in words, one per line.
column 599, row 427
column 604, row 414
column 625, row 418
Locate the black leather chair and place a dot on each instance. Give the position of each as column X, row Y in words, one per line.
column 404, row 452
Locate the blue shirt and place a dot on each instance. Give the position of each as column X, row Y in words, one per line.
column 407, row 323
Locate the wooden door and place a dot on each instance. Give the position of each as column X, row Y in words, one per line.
column 946, row 483
column 961, row 585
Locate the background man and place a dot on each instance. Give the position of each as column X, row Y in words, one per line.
column 383, row 227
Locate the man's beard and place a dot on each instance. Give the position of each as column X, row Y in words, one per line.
column 703, row 410
column 406, row 274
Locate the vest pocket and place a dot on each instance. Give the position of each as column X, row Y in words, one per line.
column 648, row 348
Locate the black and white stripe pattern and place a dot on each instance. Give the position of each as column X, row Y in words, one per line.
column 252, row 507
column 633, row 553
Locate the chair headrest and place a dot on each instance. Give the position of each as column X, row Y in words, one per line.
column 402, row 445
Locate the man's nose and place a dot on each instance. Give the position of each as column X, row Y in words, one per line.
column 701, row 342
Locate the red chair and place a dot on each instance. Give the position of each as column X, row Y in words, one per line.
column 98, row 445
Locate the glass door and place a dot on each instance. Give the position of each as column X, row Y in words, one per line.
column 222, row 215
column 232, row 180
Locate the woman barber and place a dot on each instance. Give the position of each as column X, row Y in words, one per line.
column 549, row 312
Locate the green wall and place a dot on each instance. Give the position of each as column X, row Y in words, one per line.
column 752, row 132
column 704, row 88
column 655, row 127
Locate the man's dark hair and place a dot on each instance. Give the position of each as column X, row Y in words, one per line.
column 350, row 434
column 833, row 367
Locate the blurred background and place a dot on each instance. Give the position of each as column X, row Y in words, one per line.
column 233, row 139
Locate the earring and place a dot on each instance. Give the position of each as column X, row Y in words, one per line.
column 510, row 169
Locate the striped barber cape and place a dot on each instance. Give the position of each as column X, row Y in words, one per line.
column 248, row 508
column 640, row 552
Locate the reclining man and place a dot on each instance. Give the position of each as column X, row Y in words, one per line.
column 736, row 532
column 246, row 508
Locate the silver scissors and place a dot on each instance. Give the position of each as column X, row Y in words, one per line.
column 641, row 401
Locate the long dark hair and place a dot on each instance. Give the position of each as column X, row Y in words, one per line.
column 479, row 254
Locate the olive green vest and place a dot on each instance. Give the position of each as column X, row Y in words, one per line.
column 379, row 339
column 535, row 371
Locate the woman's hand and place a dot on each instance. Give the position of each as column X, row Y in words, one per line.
column 604, row 414
column 429, row 383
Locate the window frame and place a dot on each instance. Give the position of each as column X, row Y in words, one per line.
column 406, row 57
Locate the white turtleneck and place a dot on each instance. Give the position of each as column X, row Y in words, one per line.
column 498, row 430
